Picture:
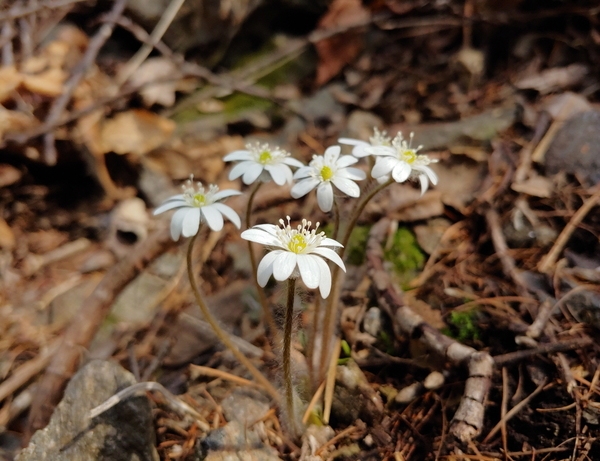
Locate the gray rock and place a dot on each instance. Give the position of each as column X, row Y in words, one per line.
column 576, row 148
column 123, row 433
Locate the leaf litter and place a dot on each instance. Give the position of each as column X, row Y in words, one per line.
column 510, row 234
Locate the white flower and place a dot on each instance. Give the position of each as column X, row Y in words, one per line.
column 379, row 142
column 325, row 170
column 259, row 161
column 198, row 204
column 299, row 252
column 401, row 162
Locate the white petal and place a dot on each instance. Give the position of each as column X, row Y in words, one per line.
column 252, row 173
column 301, row 188
column 265, row 267
column 270, row 228
column 325, row 278
column 353, row 142
column 228, row 212
column 169, row 206
column 284, row 265
column 260, row 236
column 304, row 172
column 213, row 217
column 381, row 150
column 237, row 155
column 348, row 187
column 331, row 154
column 429, row 172
column 293, row 162
column 191, row 222
column 331, row 255
column 177, row 223
column 401, row 172
column 345, row 161
column 240, row 169
column 383, row 166
column 352, row 173
column 424, row 183
column 175, row 197
column 280, row 173
column 224, row 194
column 325, row 196
column 309, row 270
column 327, row 242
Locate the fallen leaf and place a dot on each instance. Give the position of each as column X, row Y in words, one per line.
column 47, row 83
column 337, row 51
column 157, row 70
column 7, row 237
column 14, row 121
column 135, row 132
column 9, row 175
column 535, row 186
column 10, row 79
column 556, row 78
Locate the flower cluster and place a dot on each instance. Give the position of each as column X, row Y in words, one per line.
column 298, row 252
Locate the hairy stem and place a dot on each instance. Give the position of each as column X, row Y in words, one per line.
column 336, row 219
column 287, row 355
column 258, row 376
column 332, row 301
column 262, row 297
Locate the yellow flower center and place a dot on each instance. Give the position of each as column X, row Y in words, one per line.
column 199, row 199
column 265, row 157
column 326, row 173
column 409, row 156
column 297, row 243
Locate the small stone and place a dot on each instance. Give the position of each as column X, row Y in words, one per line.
column 123, row 433
column 373, row 321
column 434, row 380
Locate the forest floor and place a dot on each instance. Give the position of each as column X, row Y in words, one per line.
column 103, row 116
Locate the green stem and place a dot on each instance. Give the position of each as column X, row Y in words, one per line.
column 287, row 355
column 258, row 376
column 331, row 304
column 262, row 297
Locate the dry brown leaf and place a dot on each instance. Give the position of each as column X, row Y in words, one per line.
column 10, row 79
column 163, row 71
column 14, row 121
column 536, row 186
column 7, row 237
column 556, row 78
column 9, row 175
column 47, row 83
column 135, row 132
column 335, row 52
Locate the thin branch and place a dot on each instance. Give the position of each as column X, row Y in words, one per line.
column 468, row 419
column 59, row 104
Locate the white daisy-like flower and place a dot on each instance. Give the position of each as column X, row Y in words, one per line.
column 260, row 161
column 298, row 252
column 325, row 170
column 198, row 204
column 379, row 142
column 402, row 162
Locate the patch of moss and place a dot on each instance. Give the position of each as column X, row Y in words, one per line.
column 463, row 326
column 405, row 255
column 357, row 245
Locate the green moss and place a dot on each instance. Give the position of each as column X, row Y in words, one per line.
column 463, row 326
column 405, row 255
column 357, row 245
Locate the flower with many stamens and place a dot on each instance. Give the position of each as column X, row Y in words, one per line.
column 325, row 170
column 401, row 161
column 198, row 204
column 260, row 161
column 379, row 142
column 295, row 252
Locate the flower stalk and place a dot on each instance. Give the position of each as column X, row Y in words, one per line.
column 223, row 337
column 262, row 297
column 287, row 355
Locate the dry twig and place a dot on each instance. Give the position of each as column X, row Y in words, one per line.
column 468, row 419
